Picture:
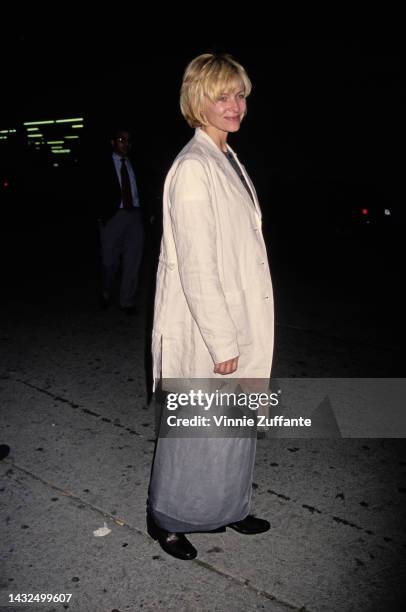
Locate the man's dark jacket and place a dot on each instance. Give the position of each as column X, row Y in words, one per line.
column 106, row 197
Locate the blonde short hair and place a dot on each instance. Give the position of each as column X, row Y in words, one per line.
column 207, row 76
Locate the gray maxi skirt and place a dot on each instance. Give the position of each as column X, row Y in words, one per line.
column 200, row 484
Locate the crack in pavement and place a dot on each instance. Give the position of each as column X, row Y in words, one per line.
column 122, row 523
column 337, row 519
column 75, row 406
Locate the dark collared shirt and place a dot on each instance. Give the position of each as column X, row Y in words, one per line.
column 237, row 168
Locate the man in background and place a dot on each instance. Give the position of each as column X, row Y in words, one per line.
column 120, row 223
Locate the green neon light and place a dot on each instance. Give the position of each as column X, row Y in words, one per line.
column 52, row 142
column 3, row 131
column 36, row 135
column 71, row 137
column 69, row 120
column 38, row 122
column 60, row 150
column 3, row 137
column 32, row 129
column 80, row 125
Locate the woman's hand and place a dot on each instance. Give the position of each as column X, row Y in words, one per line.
column 226, row 367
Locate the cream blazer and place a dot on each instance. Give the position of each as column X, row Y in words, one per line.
column 214, row 296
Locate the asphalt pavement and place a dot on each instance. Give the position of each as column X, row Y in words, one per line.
column 74, row 411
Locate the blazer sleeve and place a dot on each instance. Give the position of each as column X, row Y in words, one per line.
column 194, row 231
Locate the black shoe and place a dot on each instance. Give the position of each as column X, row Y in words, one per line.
column 4, row 451
column 175, row 544
column 250, row 525
column 104, row 302
column 129, row 310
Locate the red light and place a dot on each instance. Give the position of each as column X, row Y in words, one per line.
column 364, row 211
column 5, row 183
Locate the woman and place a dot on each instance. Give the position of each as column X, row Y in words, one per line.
column 213, row 308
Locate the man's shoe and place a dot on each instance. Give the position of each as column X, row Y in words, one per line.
column 250, row 525
column 4, row 451
column 175, row 544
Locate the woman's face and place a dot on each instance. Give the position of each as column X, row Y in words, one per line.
column 226, row 113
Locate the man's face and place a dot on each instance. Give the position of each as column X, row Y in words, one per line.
column 121, row 144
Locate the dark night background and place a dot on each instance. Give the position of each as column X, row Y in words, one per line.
column 322, row 141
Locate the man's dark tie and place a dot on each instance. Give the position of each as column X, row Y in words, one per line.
column 126, row 186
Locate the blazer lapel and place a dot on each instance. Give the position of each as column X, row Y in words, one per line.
column 226, row 167
column 254, row 200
